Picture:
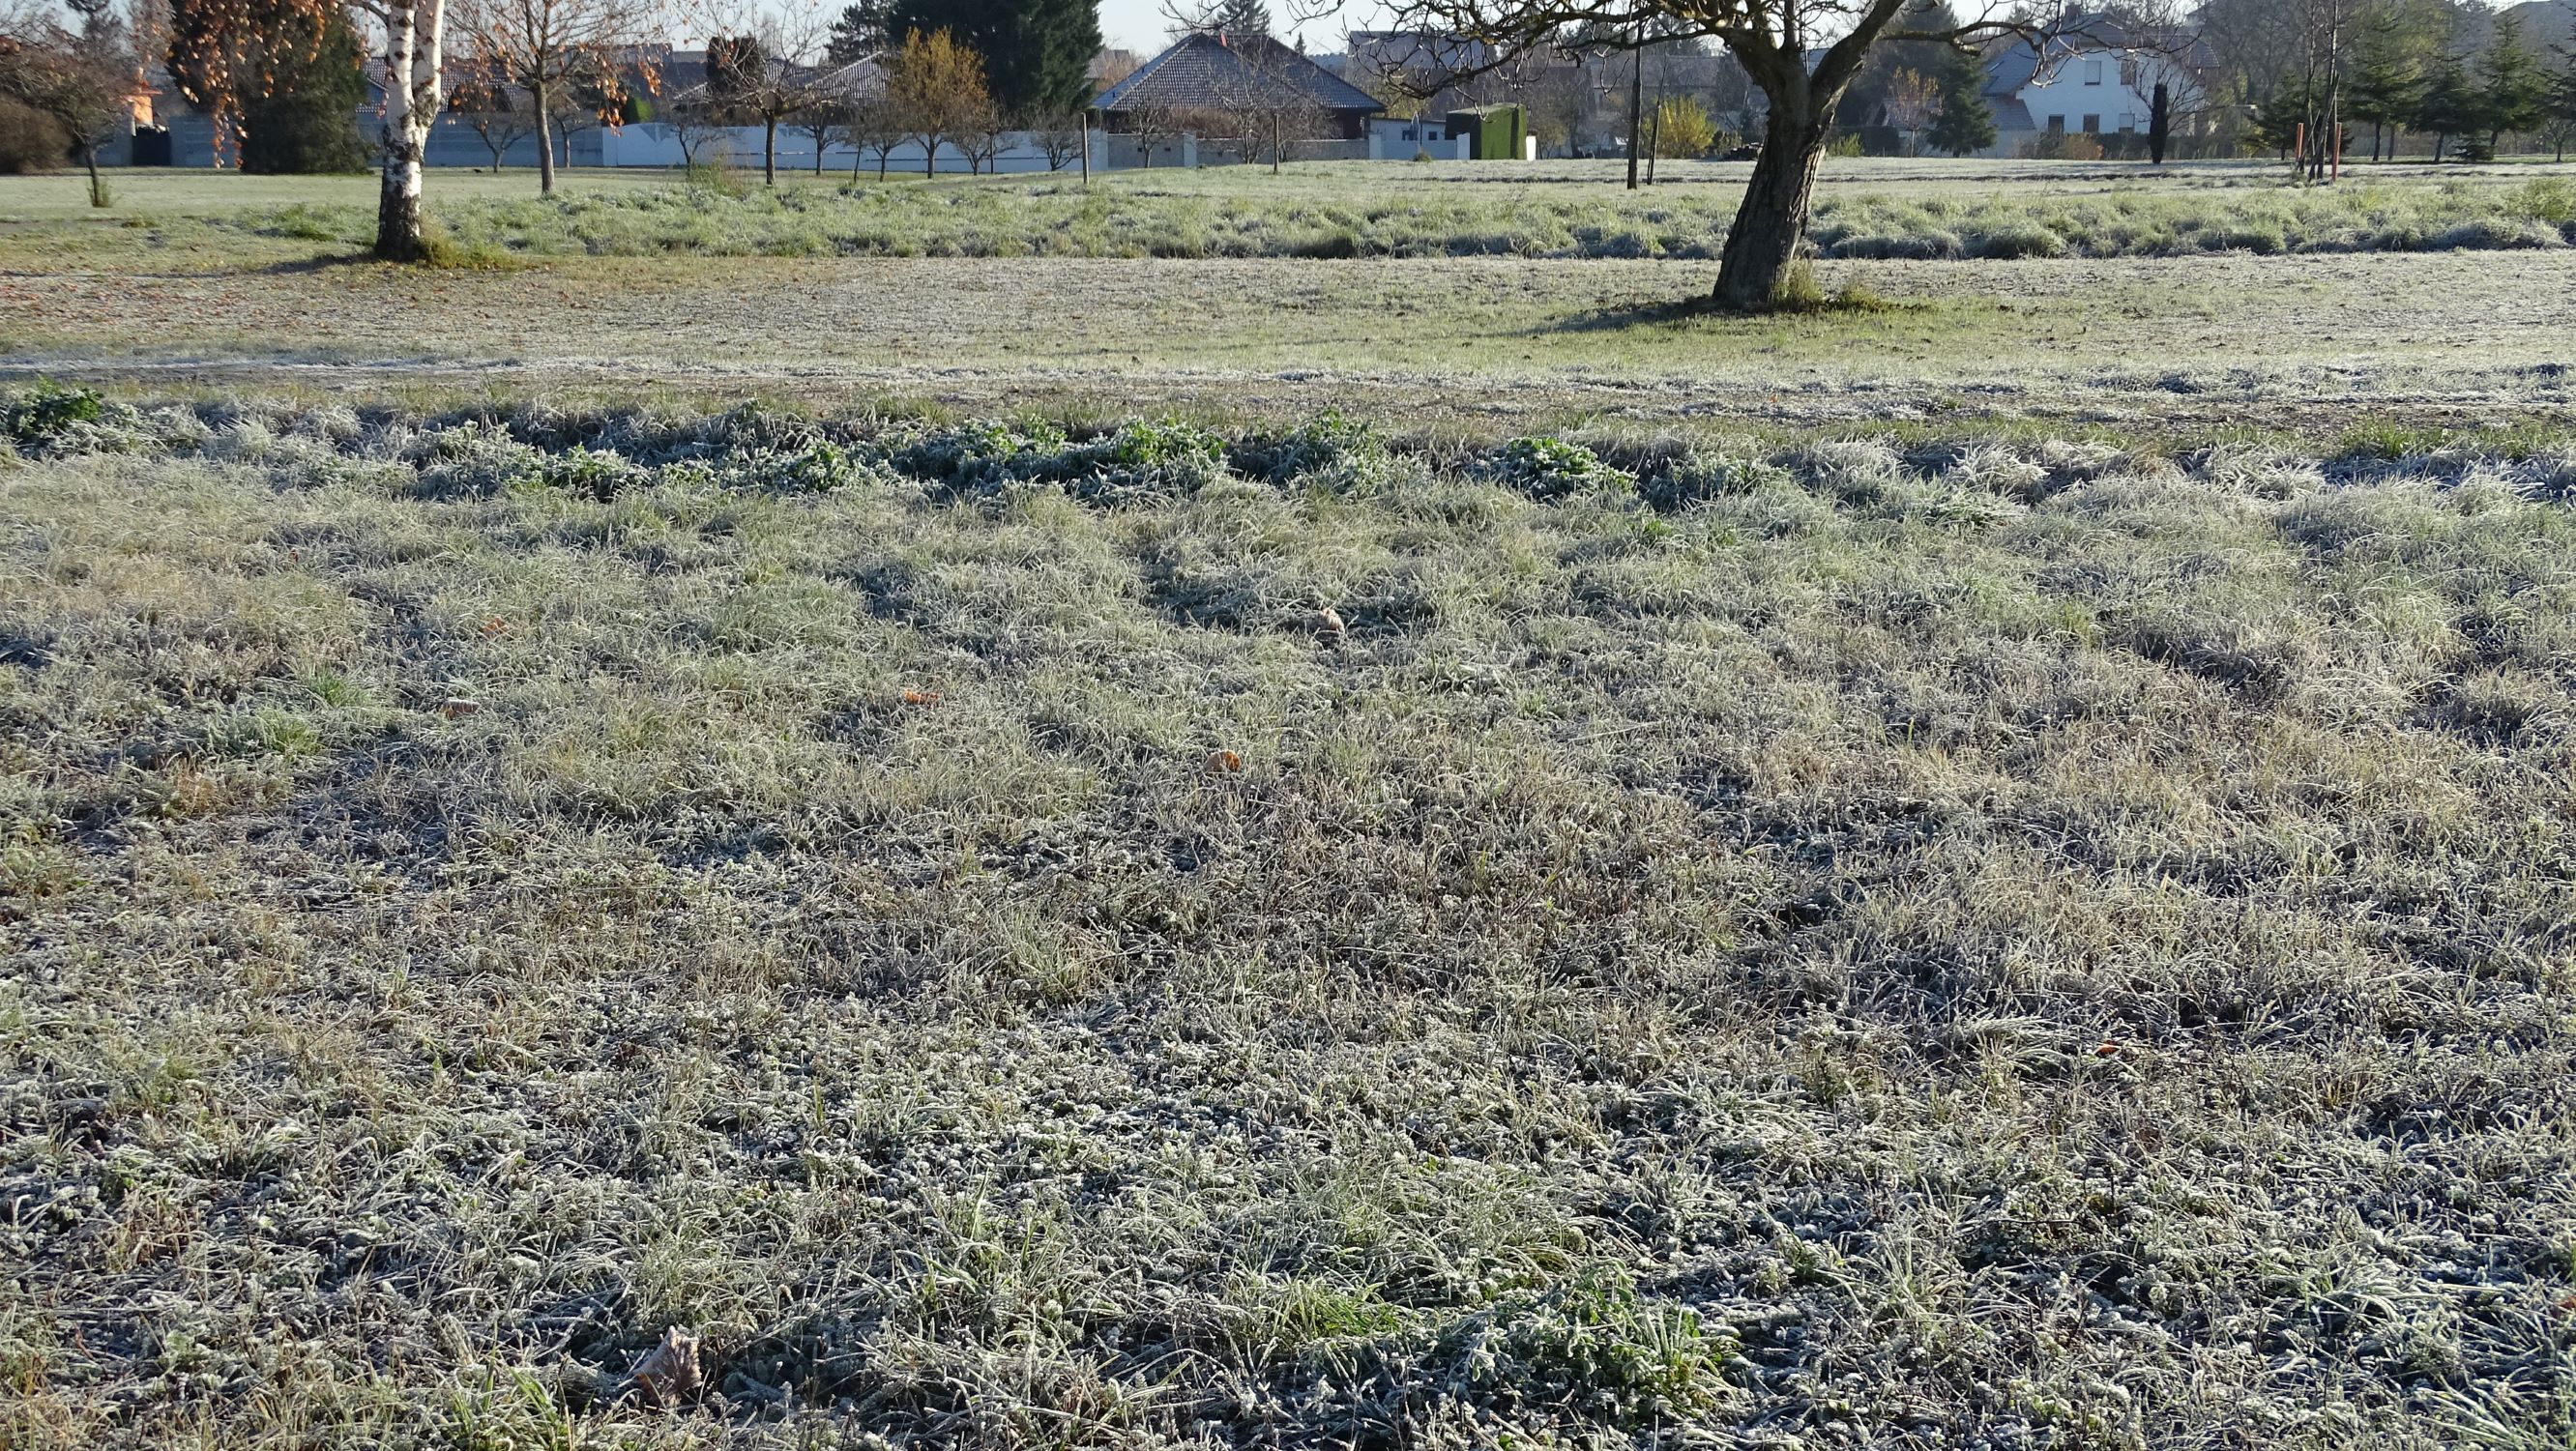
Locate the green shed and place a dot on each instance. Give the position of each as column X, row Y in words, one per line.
column 1497, row 132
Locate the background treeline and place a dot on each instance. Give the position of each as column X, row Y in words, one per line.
column 2429, row 78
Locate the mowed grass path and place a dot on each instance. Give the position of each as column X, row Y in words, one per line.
column 1486, row 344
column 228, row 277
column 1998, row 943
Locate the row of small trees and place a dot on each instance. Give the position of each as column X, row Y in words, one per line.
column 551, row 68
column 2409, row 74
column 2469, row 79
column 277, row 73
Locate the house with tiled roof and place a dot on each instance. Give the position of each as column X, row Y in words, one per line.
column 1213, row 75
column 2093, row 76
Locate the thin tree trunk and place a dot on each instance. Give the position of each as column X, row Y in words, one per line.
column 1636, row 107
column 97, row 188
column 769, row 151
column 545, row 140
column 1772, row 220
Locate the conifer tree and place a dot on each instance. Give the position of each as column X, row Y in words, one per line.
column 2388, row 75
column 2560, row 110
column 308, row 121
column 2514, row 89
column 1966, row 122
column 1037, row 53
column 2450, row 105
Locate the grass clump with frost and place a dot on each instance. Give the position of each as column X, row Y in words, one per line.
column 1020, row 933
column 1337, row 218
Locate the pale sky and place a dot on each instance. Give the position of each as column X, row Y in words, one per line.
column 1138, row 25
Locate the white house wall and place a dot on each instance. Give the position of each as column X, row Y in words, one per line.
column 2091, row 84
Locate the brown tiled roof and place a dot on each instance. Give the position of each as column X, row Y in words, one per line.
column 1209, row 71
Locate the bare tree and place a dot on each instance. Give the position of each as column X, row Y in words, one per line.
column 78, row 79
column 548, row 48
column 2324, row 29
column 836, row 93
column 1060, row 138
column 1154, row 126
column 1263, row 106
column 603, row 97
column 1803, row 54
column 873, row 127
column 1911, row 103
column 776, row 72
column 697, row 125
column 981, row 138
column 491, row 108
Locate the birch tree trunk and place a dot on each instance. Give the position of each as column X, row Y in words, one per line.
column 414, row 30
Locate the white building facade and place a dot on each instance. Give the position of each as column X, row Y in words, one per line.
column 2099, row 81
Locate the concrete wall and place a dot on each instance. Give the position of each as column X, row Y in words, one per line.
column 651, row 143
column 455, row 143
column 1116, row 152
column 1390, row 139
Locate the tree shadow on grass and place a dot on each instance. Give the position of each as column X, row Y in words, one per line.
column 1850, row 300
column 305, row 266
column 444, row 256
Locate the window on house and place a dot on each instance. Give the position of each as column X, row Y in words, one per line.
column 2056, row 123
column 2093, row 71
column 2129, row 71
column 2128, row 123
column 2092, row 124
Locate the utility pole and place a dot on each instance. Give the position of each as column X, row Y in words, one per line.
column 1655, row 132
column 1636, row 104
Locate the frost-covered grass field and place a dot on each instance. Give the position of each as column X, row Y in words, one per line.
column 1917, row 209
column 250, row 282
column 2304, row 343
column 1305, row 935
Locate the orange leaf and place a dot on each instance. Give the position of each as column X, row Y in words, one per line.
column 921, row 697
column 1221, row 763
